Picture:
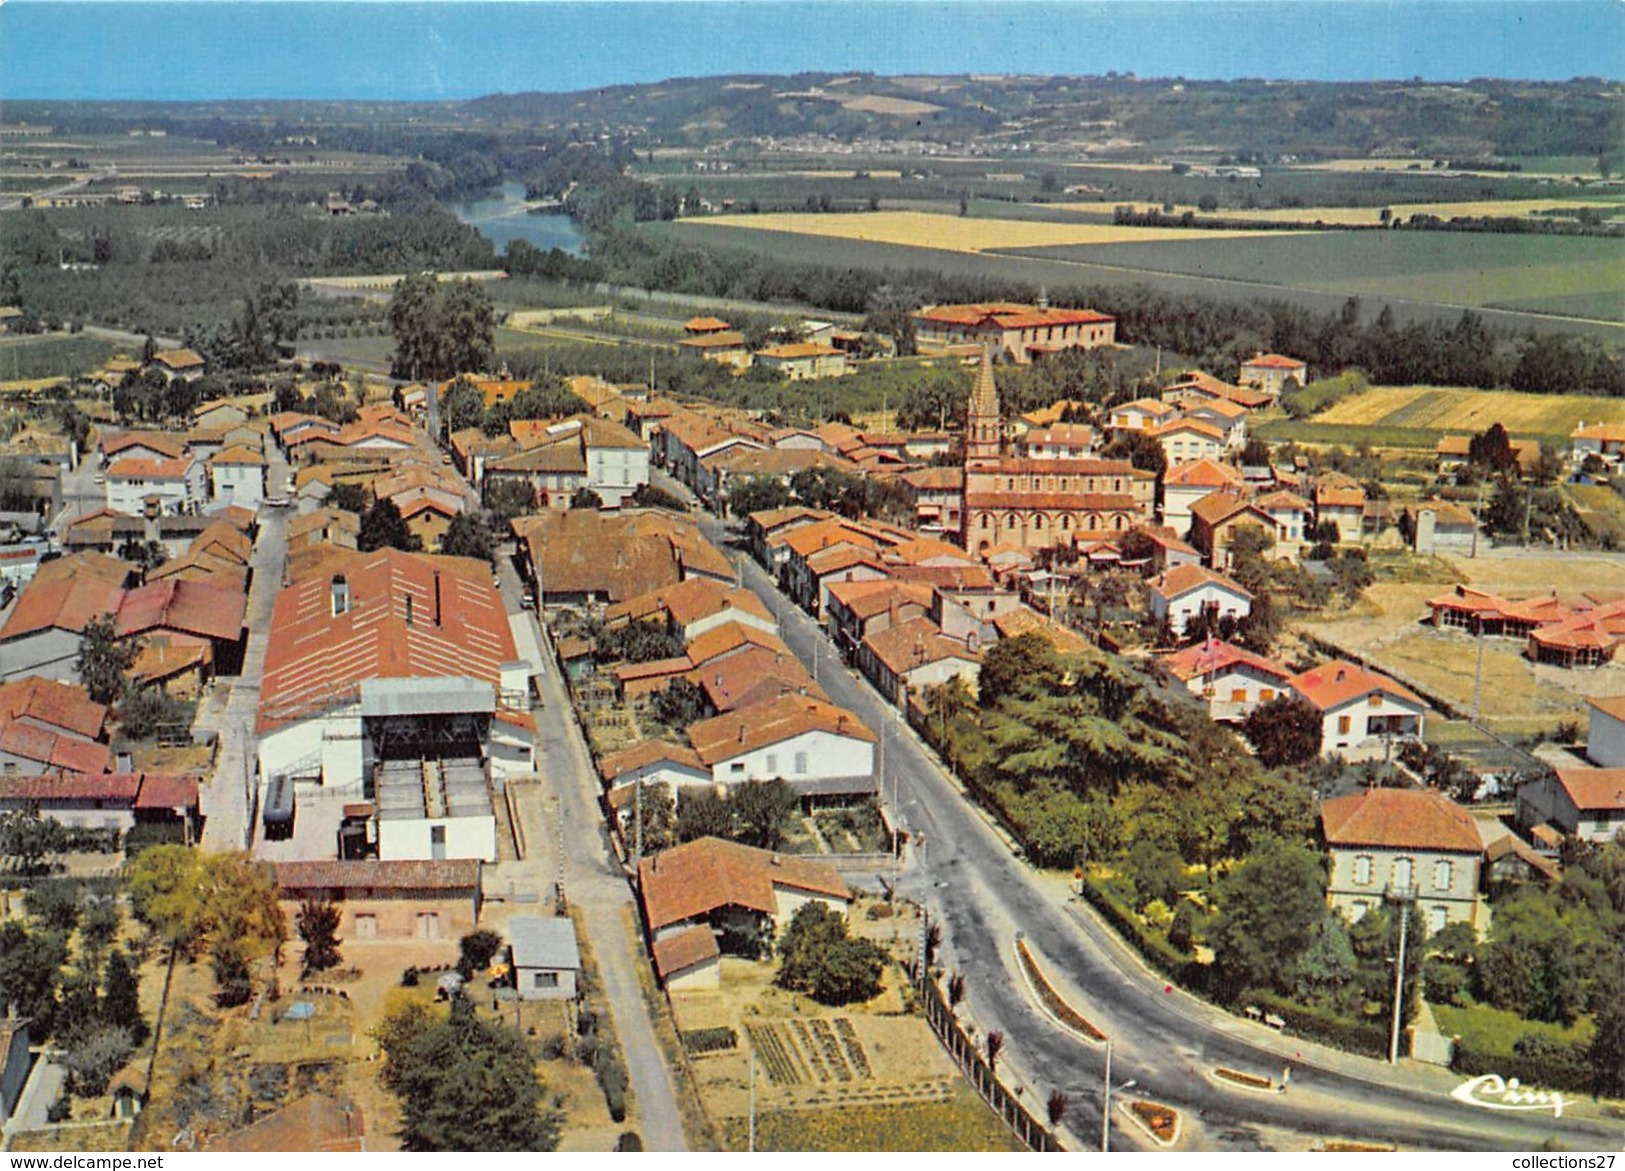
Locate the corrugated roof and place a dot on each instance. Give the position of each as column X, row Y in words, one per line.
column 544, row 943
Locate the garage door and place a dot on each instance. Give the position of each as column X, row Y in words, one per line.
column 366, row 926
column 428, row 925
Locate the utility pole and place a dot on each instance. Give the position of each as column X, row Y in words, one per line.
column 1399, row 978
column 752, row 1147
column 637, row 850
column 1106, row 1107
column 1478, row 673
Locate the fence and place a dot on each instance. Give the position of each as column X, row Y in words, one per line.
column 974, row 1065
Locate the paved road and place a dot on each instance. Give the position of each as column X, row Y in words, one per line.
column 232, row 705
column 594, row 882
column 1164, row 1040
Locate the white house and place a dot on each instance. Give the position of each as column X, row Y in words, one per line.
column 237, row 476
column 1184, row 485
column 1605, row 741
column 546, row 958
column 1182, row 595
column 1230, row 679
column 1415, row 845
column 652, row 762
column 1187, row 440
column 1271, row 372
column 177, row 485
column 1362, row 712
column 817, row 747
column 1586, row 803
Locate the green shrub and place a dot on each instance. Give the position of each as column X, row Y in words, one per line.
column 1153, row 947
column 629, row 1141
column 611, row 1075
column 1319, row 1024
column 717, row 1040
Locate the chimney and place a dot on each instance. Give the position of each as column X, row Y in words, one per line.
column 741, row 732
column 341, row 595
column 1043, row 297
column 1341, row 674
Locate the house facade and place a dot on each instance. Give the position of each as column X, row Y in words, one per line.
column 1187, row 595
column 1363, row 714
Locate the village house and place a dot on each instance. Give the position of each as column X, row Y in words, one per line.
column 653, row 762
column 753, row 675
column 1184, row 485
column 1363, row 714
column 581, row 453
column 1341, row 501
column 726, row 347
column 1584, row 803
column 1061, row 441
column 690, row 608
column 1605, row 737
column 1191, row 596
column 906, row 657
column 937, row 495
column 1019, row 333
column 1415, row 845
column 1270, row 373
column 799, row 361
column 859, row 608
column 1186, row 440
column 819, row 749
column 544, row 957
column 1220, row 517
column 1452, row 451
column 709, row 895
column 171, row 486
column 1231, row 680
column 582, row 556
column 1439, row 526
column 184, row 364
column 767, row 533
column 237, row 475
column 48, row 725
column 1606, row 441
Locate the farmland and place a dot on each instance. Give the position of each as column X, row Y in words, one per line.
column 1372, row 216
column 1477, row 270
column 1316, row 269
column 1434, row 409
column 957, row 233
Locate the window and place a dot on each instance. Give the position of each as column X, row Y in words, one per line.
column 1266, row 695
column 1238, row 695
column 736, row 768
column 1343, row 725
column 1438, row 919
column 1403, row 868
column 544, row 980
column 987, row 521
column 1362, row 870
column 772, row 763
column 1443, row 872
column 1376, row 699
column 801, row 764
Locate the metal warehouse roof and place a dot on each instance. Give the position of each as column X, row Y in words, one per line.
column 434, row 695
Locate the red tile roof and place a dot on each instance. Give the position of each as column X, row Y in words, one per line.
column 686, row 949
column 750, row 728
column 59, row 705
column 865, row 599
column 1334, row 684
column 134, row 468
column 47, row 604
column 915, row 643
column 730, row 637
column 1203, row 473
column 1274, row 362
column 52, row 749
column 1213, row 656
column 119, row 788
column 1609, row 705
column 1594, row 788
column 752, row 677
column 164, row 791
column 459, row 627
column 1400, row 819
column 694, row 879
column 191, row 607
column 171, row 446
column 645, row 753
column 453, row 874
column 314, row 1123
column 1182, row 579
column 1009, row 315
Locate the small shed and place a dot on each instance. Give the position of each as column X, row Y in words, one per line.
column 546, row 960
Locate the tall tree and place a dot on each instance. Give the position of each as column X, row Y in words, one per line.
column 121, row 996
column 468, row 535
column 382, row 526
column 1285, row 731
column 104, row 658
column 821, row 960
column 1270, row 908
column 440, row 329
column 318, row 925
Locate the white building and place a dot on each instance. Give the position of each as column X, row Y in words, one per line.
column 1412, row 845
column 174, row 485
column 1605, row 741
column 1587, row 803
column 817, row 747
column 1363, row 714
column 1231, row 680
column 1185, row 594
column 546, row 958
column 237, row 476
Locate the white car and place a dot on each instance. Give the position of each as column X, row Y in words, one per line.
column 276, row 502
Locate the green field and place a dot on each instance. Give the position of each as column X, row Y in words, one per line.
column 51, row 355
column 1582, row 275
column 1228, row 268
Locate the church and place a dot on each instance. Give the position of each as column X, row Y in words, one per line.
column 1026, row 503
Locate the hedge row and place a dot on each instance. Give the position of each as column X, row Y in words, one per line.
column 1319, row 1024
column 1153, row 948
column 1535, row 1060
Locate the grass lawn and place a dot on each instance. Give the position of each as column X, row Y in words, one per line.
column 963, row 1123
column 51, row 355
column 1496, row 1028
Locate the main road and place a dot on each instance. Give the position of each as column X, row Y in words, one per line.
column 1165, row 1041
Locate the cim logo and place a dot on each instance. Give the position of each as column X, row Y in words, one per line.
column 1491, row 1092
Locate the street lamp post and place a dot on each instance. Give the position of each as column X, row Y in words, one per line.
column 1401, row 896
column 1106, row 1107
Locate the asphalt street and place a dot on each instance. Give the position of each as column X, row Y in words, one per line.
column 1165, row 1041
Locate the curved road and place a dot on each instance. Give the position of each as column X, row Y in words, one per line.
column 1164, row 1039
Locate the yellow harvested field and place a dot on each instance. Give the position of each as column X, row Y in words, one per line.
column 1365, row 216
column 1436, row 409
column 950, row 233
column 899, row 107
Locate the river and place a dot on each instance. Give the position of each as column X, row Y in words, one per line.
column 506, row 217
